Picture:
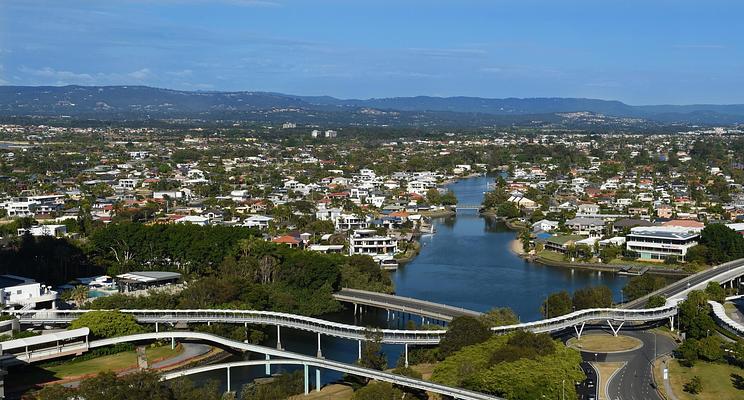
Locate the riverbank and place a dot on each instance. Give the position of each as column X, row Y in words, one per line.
column 602, row 266
column 516, row 247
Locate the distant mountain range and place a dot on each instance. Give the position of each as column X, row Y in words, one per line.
column 142, row 102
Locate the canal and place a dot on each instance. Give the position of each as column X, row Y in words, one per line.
column 468, row 263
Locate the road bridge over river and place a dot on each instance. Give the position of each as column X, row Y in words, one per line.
column 423, row 308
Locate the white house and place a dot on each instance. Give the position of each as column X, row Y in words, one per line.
column 660, row 243
column 44, row 230
column 257, row 221
column 544, row 225
column 193, row 219
column 20, row 292
column 366, row 241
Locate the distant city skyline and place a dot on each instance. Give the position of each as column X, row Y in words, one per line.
column 638, row 52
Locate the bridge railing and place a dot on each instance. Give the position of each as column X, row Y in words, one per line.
column 353, row 331
column 720, row 313
column 248, row 317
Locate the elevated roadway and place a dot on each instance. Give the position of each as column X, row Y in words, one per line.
column 428, row 309
column 724, row 274
column 286, row 357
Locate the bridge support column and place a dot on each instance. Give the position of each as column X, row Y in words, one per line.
column 156, row 328
column 406, row 352
column 355, row 309
column 579, row 330
column 360, row 349
column 278, row 338
column 671, row 323
column 173, row 344
column 320, row 353
column 615, row 331
column 268, row 366
column 307, row 381
column 228, row 379
column 388, row 315
column 2, row 383
column 317, row 379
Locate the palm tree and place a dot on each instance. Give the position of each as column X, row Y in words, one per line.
column 79, row 294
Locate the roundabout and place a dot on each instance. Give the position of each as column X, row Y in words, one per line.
column 605, row 343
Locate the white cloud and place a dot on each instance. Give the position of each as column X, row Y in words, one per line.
column 184, row 73
column 141, row 74
column 49, row 75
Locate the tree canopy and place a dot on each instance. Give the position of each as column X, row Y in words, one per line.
column 106, row 324
column 463, row 331
column 515, row 366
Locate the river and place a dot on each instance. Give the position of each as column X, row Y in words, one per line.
column 466, row 263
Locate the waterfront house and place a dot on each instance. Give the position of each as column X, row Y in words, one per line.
column 545, row 225
column 561, row 243
column 366, row 241
column 660, row 243
column 586, row 226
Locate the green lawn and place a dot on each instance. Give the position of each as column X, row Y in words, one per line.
column 717, row 380
column 114, row 362
column 551, row 255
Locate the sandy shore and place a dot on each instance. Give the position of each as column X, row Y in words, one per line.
column 516, row 247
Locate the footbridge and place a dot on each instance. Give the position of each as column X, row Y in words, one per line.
column 719, row 312
column 475, row 207
column 409, row 305
column 322, row 327
column 285, row 357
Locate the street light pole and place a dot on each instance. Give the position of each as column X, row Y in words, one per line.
column 563, row 389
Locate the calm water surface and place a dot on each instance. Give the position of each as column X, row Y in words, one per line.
column 466, row 263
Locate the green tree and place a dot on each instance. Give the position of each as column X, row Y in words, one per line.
column 378, row 391
column 499, row 316
column 284, row 386
column 656, row 301
column 639, row 286
column 592, row 297
column 557, row 304
column 372, row 355
column 715, row 292
column 433, row 196
column 449, row 198
column 463, row 331
column 694, row 316
column 694, row 385
column 722, row 243
column 507, row 210
column 107, row 324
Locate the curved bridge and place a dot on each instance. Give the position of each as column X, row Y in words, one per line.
column 320, row 326
column 391, row 336
column 719, row 312
column 726, row 273
column 296, row 358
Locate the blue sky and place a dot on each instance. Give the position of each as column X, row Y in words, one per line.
column 640, row 52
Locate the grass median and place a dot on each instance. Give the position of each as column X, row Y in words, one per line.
column 595, row 343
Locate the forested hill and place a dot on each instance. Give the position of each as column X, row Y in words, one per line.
column 142, row 102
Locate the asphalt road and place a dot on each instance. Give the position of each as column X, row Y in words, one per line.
column 634, row 381
column 587, row 390
column 400, row 303
column 685, row 283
